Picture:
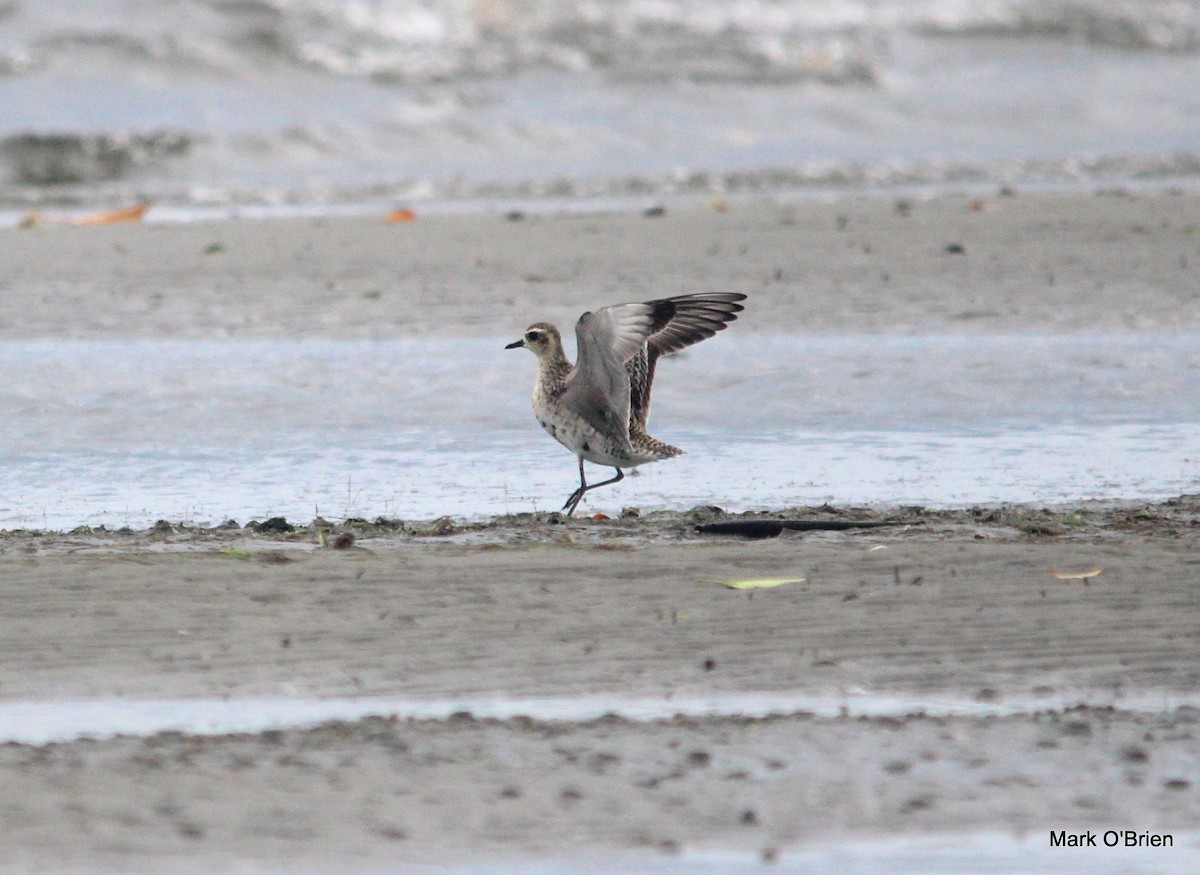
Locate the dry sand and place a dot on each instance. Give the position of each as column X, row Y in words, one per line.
column 953, row 607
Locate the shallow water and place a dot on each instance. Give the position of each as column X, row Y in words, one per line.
column 978, row 854
column 123, row 433
column 50, row 721
column 944, row 854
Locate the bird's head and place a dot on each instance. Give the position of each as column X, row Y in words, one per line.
column 540, row 338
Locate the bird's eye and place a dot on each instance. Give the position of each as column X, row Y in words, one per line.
column 533, row 335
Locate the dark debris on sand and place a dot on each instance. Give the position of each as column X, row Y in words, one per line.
column 634, row 528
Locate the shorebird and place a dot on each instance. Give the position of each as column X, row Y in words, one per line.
column 598, row 407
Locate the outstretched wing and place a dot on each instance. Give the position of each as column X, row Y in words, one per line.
column 598, row 388
column 691, row 318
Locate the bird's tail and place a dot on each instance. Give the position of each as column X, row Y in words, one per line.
column 644, row 444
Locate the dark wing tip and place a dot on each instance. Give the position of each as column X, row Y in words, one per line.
column 695, row 318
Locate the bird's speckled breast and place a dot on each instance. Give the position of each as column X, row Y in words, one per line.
column 582, row 439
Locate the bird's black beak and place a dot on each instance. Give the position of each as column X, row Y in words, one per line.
column 516, row 344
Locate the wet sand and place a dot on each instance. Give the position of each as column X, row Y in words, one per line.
column 1102, row 673
column 949, row 264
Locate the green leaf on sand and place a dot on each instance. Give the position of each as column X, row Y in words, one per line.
column 760, row 582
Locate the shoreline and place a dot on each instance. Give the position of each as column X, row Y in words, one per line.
column 529, row 199
column 637, row 529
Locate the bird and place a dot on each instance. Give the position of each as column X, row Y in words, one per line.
column 598, row 407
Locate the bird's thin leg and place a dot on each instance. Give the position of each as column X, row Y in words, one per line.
column 574, row 498
column 577, row 495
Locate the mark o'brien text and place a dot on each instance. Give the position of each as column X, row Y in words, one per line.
column 1113, row 838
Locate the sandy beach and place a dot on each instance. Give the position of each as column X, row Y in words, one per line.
column 1060, row 644
column 1051, row 263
